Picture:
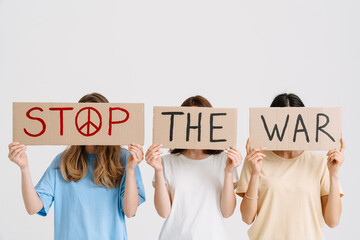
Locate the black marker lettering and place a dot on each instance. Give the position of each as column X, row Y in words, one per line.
column 320, row 128
column 198, row 127
column 212, row 127
column 275, row 129
column 300, row 119
column 172, row 114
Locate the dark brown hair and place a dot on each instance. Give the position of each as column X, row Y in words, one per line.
column 196, row 101
column 108, row 170
column 287, row 100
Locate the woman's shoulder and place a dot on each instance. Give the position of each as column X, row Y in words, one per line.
column 219, row 159
column 56, row 161
column 171, row 160
column 315, row 156
column 170, row 157
column 221, row 155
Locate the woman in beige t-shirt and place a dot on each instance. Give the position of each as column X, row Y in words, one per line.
column 287, row 194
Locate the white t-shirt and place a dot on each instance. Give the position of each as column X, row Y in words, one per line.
column 195, row 188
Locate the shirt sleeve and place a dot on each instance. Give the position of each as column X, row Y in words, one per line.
column 325, row 180
column 45, row 188
column 139, row 183
column 244, row 179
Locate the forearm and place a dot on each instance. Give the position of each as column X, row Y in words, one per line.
column 228, row 198
column 333, row 206
column 131, row 196
column 161, row 197
column 248, row 207
column 32, row 201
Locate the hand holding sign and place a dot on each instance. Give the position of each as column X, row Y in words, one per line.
column 136, row 156
column 234, row 159
column 153, row 157
column 335, row 159
column 254, row 157
column 17, row 155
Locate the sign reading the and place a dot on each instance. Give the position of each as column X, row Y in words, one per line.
column 195, row 127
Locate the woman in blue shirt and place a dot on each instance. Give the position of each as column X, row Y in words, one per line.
column 92, row 188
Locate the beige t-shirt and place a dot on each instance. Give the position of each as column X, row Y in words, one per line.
column 289, row 197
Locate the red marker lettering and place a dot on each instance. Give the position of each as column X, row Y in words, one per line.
column 88, row 123
column 35, row 118
column 111, row 122
column 61, row 110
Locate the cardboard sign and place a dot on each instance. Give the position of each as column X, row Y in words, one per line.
column 295, row 128
column 195, row 127
column 78, row 123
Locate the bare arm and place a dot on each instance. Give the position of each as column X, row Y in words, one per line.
column 32, row 201
column 162, row 198
column 131, row 195
column 228, row 197
column 331, row 204
column 248, row 205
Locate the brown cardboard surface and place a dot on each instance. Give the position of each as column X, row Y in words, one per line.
column 29, row 120
column 222, row 138
column 260, row 137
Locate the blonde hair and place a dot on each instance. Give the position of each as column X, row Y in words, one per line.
column 108, row 170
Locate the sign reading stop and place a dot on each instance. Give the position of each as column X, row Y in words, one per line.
column 78, row 123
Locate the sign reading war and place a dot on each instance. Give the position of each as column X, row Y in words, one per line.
column 78, row 123
column 295, row 128
column 195, row 127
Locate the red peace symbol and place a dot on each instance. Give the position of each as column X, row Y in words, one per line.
column 88, row 123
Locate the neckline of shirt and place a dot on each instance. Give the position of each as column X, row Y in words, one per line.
column 287, row 159
column 196, row 160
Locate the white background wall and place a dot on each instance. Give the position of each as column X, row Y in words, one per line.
column 235, row 53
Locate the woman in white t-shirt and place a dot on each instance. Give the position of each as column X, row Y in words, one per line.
column 194, row 189
column 288, row 194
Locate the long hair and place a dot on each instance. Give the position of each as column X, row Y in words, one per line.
column 108, row 170
column 196, row 101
